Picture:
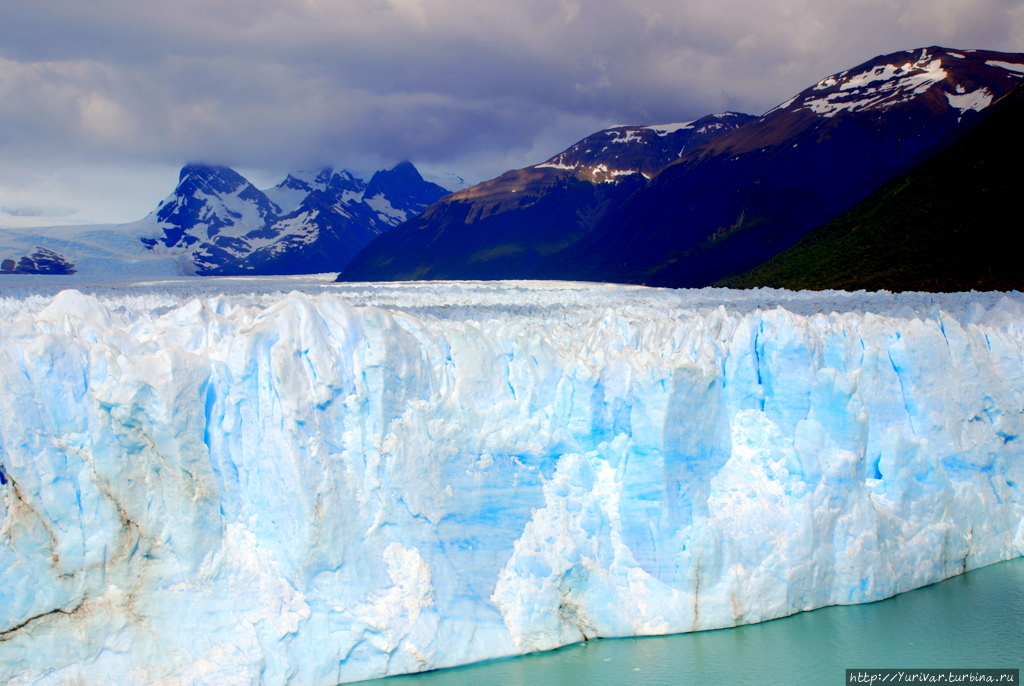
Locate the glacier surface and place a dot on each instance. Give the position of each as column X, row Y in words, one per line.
column 239, row 481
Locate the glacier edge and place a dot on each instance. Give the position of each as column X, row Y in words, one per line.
column 294, row 488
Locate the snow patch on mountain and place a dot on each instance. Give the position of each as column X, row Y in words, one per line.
column 916, row 76
column 1009, row 66
column 610, row 155
column 878, row 88
column 290, row 193
column 382, row 206
column 975, row 100
column 556, row 165
column 665, row 129
column 623, row 136
column 886, row 85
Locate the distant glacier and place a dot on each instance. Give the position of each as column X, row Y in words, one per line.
column 292, row 482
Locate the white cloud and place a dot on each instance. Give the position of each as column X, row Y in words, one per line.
column 34, row 192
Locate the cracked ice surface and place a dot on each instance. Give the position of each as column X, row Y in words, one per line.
column 220, row 482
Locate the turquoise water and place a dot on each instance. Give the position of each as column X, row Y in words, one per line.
column 972, row 621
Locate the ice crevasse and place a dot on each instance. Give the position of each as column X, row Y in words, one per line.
column 304, row 488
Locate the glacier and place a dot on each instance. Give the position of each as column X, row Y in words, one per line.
column 236, row 481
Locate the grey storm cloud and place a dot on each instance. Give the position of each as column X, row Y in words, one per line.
column 474, row 85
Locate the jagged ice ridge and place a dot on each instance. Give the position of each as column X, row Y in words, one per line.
column 344, row 482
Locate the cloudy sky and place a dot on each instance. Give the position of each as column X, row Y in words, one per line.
column 102, row 101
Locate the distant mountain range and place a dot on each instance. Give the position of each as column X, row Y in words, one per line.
column 217, row 223
column 720, row 202
column 309, row 223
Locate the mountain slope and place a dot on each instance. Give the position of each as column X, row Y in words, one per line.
column 736, row 201
column 950, row 224
column 509, row 227
column 213, row 213
column 41, row 261
column 216, row 222
column 400, row 193
column 714, row 206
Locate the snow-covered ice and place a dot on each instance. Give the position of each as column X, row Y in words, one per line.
column 291, row 481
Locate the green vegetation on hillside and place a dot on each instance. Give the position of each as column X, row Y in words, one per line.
column 953, row 223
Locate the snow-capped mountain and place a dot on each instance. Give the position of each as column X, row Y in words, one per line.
column 216, row 222
column 949, row 224
column 400, row 194
column 290, row 193
column 945, row 79
column 40, row 261
column 645, row 150
column 743, row 197
column 210, row 204
column 508, row 226
column 723, row 204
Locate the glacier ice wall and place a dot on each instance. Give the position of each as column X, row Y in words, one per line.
column 292, row 488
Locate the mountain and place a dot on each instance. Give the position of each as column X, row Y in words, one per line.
column 400, row 194
column 950, row 224
column 40, row 261
column 748, row 195
column 290, row 193
column 509, row 226
column 719, row 207
column 211, row 204
column 216, row 222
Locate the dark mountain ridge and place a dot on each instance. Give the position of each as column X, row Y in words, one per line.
column 509, row 227
column 951, row 223
column 720, row 206
column 746, row 196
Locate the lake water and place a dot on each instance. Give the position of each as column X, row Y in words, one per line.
column 973, row 621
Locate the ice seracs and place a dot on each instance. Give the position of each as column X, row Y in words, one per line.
column 230, row 482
